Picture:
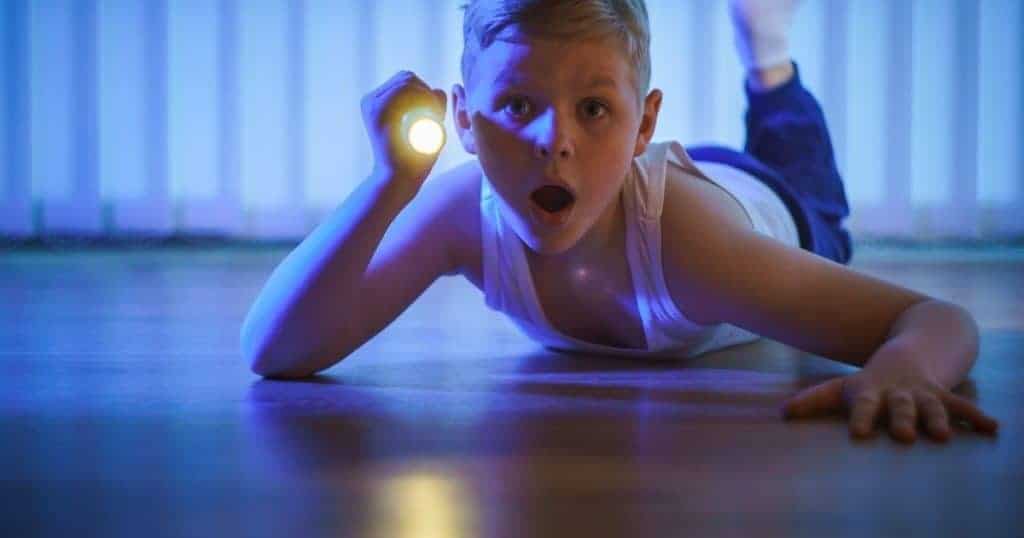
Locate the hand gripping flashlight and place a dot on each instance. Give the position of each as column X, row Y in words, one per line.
column 423, row 131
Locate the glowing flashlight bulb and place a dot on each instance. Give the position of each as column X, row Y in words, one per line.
column 423, row 132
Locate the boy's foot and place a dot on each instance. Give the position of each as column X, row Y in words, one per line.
column 761, row 31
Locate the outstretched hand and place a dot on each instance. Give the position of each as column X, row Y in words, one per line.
column 901, row 388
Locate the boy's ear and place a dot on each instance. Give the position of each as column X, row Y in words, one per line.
column 460, row 116
column 652, row 104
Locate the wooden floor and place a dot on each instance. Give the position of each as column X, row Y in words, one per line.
column 126, row 410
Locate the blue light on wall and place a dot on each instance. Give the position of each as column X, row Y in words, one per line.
column 242, row 117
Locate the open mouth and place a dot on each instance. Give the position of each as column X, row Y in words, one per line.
column 552, row 205
column 552, row 198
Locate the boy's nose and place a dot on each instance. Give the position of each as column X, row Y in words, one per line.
column 552, row 138
column 545, row 151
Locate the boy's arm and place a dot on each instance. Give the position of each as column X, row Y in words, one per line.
column 349, row 279
column 913, row 348
column 735, row 275
column 822, row 307
column 328, row 297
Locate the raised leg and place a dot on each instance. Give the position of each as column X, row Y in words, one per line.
column 761, row 31
column 786, row 128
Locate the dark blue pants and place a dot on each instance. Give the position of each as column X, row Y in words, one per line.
column 788, row 149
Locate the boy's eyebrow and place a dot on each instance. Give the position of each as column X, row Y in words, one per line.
column 507, row 78
column 602, row 81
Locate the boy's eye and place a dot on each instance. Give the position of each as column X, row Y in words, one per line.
column 594, row 109
column 517, row 106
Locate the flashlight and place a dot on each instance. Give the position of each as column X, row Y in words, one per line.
column 423, row 131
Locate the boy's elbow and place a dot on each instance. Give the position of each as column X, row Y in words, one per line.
column 256, row 352
column 280, row 374
column 263, row 363
column 263, row 366
column 266, row 363
column 271, row 353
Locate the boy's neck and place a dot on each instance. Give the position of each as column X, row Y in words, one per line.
column 605, row 238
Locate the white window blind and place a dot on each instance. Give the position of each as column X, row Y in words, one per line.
column 241, row 117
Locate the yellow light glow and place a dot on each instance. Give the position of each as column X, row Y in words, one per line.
column 426, row 136
column 422, row 504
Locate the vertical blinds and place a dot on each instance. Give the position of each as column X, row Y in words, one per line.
column 241, row 117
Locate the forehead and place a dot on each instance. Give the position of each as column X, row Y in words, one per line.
column 520, row 59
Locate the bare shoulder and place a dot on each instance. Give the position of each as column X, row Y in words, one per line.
column 687, row 193
column 718, row 271
column 694, row 209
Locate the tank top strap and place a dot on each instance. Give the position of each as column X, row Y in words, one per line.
column 649, row 193
column 646, row 191
column 644, row 196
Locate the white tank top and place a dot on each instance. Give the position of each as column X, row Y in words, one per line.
column 508, row 284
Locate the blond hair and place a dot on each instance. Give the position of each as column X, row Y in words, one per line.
column 575, row 20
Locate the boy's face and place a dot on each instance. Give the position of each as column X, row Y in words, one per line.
column 541, row 111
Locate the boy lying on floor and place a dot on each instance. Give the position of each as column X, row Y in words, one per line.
column 593, row 239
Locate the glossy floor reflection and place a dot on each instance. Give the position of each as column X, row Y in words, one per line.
column 126, row 411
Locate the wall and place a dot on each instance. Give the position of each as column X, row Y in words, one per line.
column 241, row 117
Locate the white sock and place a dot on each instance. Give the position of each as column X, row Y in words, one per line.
column 761, row 31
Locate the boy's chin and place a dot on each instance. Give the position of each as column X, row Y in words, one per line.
column 544, row 242
column 550, row 245
column 544, row 248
